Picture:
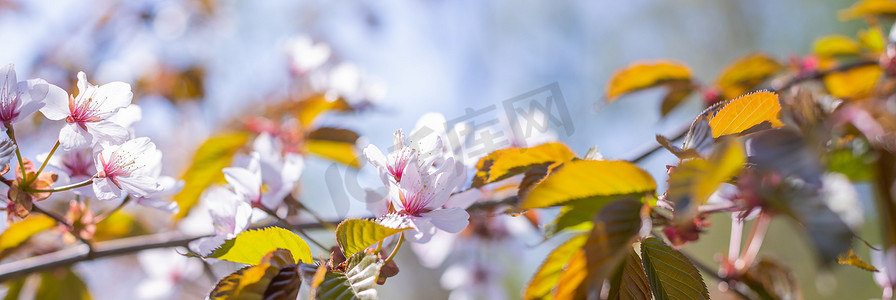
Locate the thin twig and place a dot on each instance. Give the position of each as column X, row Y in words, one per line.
column 286, row 223
column 709, row 271
column 108, row 213
column 59, row 219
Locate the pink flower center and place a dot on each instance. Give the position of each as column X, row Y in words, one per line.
column 415, row 202
column 119, row 164
column 78, row 163
column 84, row 111
column 8, row 104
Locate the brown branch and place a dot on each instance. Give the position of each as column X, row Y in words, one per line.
column 814, row 75
column 70, row 256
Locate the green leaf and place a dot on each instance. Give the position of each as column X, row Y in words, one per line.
column 616, row 227
column 355, row 235
column 14, row 288
column 548, row 275
column 629, row 281
column 358, row 281
column 850, row 258
column 772, row 281
column 578, row 214
column 213, row 155
column 589, row 178
column 670, row 273
column 21, row 231
column 62, row 284
column 252, row 282
column 506, row 163
column 250, row 246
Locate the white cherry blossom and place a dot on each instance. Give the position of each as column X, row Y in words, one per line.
column 127, row 169
column 18, row 100
column 89, row 116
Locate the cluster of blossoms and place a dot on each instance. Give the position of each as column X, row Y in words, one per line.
column 423, row 181
column 100, row 157
column 260, row 180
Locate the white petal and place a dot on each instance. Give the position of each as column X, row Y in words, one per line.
column 127, row 116
column 106, row 190
column 423, row 230
column 108, row 132
column 31, row 95
column 376, row 203
column 244, row 182
column 72, row 136
column 452, row 220
column 56, row 104
column 170, row 207
column 463, row 199
column 8, row 86
column 113, row 96
column 375, row 156
column 137, row 185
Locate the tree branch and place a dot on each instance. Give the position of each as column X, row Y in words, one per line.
column 72, row 255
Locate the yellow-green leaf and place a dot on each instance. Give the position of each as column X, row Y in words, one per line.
column 589, row 178
column 213, row 155
column 548, row 275
column 868, row 7
column 741, row 114
column 309, row 109
column 62, row 284
column 19, row 232
column 642, row 75
column 344, row 153
column 850, row 258
column 354, row 235
column 693, row 181
column 250, row 246
column 251, row 282
column 853, row 84
column 835, row 45
column 505, row 163
column 873, row 39
column 745, row 73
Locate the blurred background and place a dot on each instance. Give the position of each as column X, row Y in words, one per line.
column 198, row 65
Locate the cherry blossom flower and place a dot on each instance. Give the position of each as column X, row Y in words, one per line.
column 280, row 171
column 89, row 116
column 424, row 200
column 129, row 168
column 305, row 55
column 169, row 275
column 75, row 166
column 18, row 100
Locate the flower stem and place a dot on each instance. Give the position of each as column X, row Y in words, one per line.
column 12, row 135
column 63, row 188
column 737, row 232
column 317, row 218
column 284, row 222
column 757, row 234
column 44, row 164
column 394, row 251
